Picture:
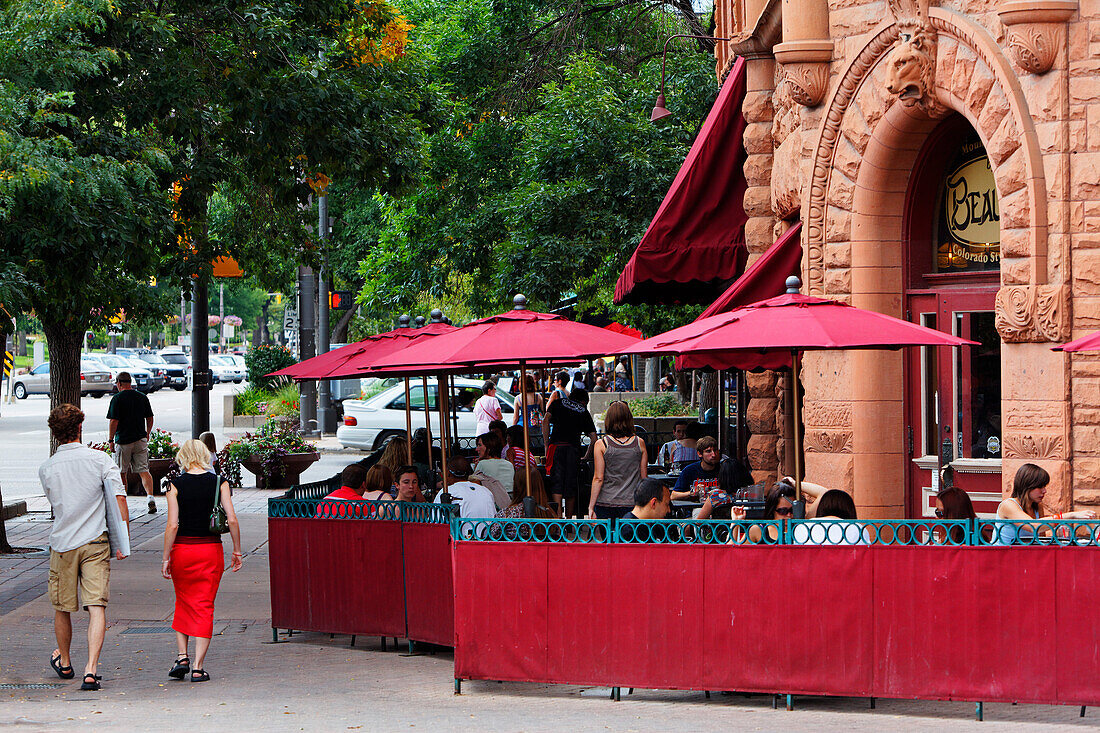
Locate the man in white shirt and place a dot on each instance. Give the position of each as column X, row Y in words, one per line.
column 91, row 518
column 474, row 500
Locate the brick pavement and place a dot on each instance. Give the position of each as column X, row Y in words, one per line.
column 312, row 682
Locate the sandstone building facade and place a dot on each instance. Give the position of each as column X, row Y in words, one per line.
column 944, row 160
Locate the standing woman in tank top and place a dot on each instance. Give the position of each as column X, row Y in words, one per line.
column 621, row 464
column 193, row 556
column 534, row 408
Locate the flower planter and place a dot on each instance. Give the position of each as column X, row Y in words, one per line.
column 293, row 466
column 158, row 467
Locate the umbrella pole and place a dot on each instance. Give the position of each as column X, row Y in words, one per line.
column 409, row 423
column 797, row 442
column 721, row 410
column 440, row 400
column 526, row 436
column 428, row 423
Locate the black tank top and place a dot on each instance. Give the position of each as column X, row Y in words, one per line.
column 195, row 496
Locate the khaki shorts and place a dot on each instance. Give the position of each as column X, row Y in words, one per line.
column 87, row 567
column 133, row 457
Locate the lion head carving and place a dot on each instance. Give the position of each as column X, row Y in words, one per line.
column 911, row 64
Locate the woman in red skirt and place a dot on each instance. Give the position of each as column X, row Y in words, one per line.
column 193, row 557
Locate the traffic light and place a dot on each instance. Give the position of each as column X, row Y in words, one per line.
column 341, row 299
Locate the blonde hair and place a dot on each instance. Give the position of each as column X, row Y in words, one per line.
column 193, row 453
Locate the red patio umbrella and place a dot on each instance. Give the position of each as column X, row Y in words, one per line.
column 1085, row 343
column 772, row 333
column 352, row 360
column 518, row 337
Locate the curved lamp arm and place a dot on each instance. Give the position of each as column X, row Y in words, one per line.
column 659, row 111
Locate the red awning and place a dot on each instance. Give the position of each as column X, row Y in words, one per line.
column 765, row 278
column 696, row 242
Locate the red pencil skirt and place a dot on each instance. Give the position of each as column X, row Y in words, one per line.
column 196, row 573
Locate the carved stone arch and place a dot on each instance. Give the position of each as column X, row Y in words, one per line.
column 997, row 109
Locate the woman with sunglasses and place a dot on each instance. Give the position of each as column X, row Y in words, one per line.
column 953, row 503
column 779, row 504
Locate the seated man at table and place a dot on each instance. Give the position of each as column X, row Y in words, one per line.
column 651, row 500
column 352, row 480
column 712, row 480
column 407, row 481
column 474, row 500
column 664, row 455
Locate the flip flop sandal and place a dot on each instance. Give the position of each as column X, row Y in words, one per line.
column 93, row 684
column 65, row 673
column 182, row 667
column 198, row 675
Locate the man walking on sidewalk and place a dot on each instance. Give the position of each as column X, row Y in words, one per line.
column 91, row 518
column 130, row 419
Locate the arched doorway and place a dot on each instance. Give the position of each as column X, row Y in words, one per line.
column 951, row 232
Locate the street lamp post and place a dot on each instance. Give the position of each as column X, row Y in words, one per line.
column 324, row 411
column 659, row 111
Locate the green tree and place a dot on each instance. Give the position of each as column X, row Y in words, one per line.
column 546, row 170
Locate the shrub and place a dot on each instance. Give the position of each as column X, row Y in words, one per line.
column 662, row 405
column 285, row 402
column 265, row 359
column 248, row 400
column 161, row 445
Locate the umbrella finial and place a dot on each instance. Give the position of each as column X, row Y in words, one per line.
column 403, row 320
column 420, row 321
column 794, row 285
column 519, row 302
column 437, row 315
column 447, row 320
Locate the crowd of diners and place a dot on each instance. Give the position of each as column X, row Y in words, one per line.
column 504, row 479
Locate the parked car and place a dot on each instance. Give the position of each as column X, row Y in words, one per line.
column 225, row 369
column 176, row 357
column 175, row 375
column 95, row 380
column 371, row 422
column 160, row 374
column 141, row 377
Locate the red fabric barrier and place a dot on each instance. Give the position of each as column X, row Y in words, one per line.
column 989, row 624
column 429, row 583
column 1077, row 638
column 500, row 608
column 337, row 576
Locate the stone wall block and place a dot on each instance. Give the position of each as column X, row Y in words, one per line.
column 981, row 83
column 1086, row 416
column 838, row 255
column 761, row 453
column 842, row 191
column 1078, row 134
column 761, row 384
column 1051, row 136
column 854, row 20
column 1015, row 243
column 1085, row 176
column 760, row 415
column 846, row 159
column 757, row 107
column 1083, row 90
column 834, row 470
column 1015, row 272
column 992, row 114
column 856, row 131
column 1015, row 210
column 838, row 224
column 758, row 201
column 1004, row 142
column 758, row 138
column 838, row 280
column 1086, row 394
column 1086, row 440
column 945, row 57
column 1092, row 119
column 963, row 70
column 758, row 233
column 1086, row 272
column 1046, row 95
column 1012, row 174
column 758, row 170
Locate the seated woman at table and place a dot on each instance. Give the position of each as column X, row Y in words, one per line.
column 514, row 453
column 379, row 484
column 489, row 462
column 779, row 505
column 1029, row 486
column 537, row 491
column 395, row 454
column 952, row 503
column 620, row 465
column 833, row 505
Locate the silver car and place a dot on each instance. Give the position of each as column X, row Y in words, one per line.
column 142, row 378
column 94, row 380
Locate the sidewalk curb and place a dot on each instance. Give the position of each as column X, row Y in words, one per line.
column 13, row 509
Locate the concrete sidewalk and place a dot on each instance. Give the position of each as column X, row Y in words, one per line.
column 312, row 682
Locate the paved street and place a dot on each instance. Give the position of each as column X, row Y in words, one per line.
column 26, row 439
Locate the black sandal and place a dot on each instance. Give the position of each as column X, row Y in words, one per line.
column 182, row 667
column 65, row 673
column 93, row 685
column 198, row 675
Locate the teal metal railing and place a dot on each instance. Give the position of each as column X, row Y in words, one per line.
column 574, row 531
column 699, row 532
column 1038, row 532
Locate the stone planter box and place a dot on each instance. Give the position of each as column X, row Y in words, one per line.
column 247, row 422
column 159, row 468
column 293, row 465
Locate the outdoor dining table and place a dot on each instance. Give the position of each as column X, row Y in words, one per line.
column 683, row 509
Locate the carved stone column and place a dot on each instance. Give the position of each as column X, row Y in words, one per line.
column 1036, row 31
column 806, row 50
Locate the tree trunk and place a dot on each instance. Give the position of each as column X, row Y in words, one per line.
column 21, row 343
column 652, row 373
column 64, row 346
column 340, row 333
column 708, row 393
